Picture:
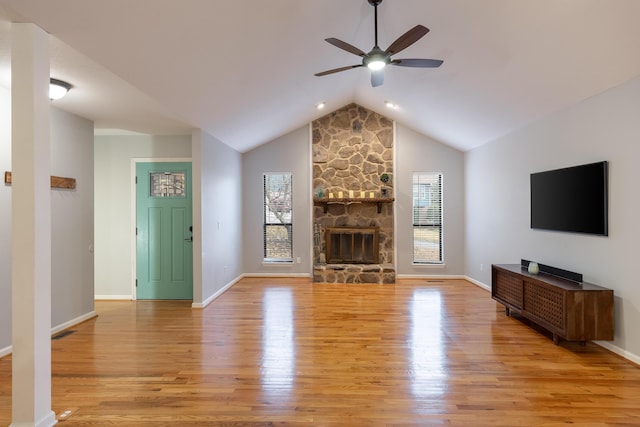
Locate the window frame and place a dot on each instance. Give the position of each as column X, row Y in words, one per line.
column 420, row 202
column 269, row 222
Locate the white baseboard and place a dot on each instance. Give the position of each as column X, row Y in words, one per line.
column 5, row 351
column 429, row 276
column 619, row 351
column 73, row 322
column 478, row 283
column 112, row 297
column 285, row 275
column 61, row 327
column 47, row 421
column 439, row 276
column 209, row 300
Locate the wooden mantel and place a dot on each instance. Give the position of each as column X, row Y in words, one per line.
column 56, row 181
column 325, row 202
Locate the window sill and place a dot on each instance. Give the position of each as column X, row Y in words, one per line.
column 423, row 265
column 277, row 263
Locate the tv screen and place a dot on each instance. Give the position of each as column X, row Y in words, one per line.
column 571, row 199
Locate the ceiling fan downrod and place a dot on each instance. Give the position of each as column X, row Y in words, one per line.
column 375, row 4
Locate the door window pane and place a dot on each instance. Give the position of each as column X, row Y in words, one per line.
column 166, row 184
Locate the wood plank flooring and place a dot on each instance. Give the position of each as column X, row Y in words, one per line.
column 286, row 352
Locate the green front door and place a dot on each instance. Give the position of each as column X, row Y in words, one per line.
column 163, row 231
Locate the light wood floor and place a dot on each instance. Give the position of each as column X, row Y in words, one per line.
column 291, row 353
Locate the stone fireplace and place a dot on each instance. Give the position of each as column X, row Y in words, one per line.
column 353, row 197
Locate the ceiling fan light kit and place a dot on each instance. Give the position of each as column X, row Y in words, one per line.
column 377, row 59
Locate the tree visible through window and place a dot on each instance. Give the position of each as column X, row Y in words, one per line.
column 427, row 218
column 278, row 237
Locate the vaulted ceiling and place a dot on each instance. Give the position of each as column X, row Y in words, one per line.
column 242, row 70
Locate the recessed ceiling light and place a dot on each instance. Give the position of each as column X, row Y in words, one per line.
column 321, row 105
column 391, row 105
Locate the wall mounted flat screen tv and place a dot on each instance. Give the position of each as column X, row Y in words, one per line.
column 572, row 199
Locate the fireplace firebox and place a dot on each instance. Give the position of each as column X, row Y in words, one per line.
column 352, row 245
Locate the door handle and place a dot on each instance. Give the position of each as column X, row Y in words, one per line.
column 189, row 239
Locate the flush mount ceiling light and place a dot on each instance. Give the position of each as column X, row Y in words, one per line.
column 391, row 105
column 321, row 105
column 58, row 89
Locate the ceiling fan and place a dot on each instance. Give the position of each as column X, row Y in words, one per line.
column 376, row 59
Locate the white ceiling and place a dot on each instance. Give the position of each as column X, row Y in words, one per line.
column 242, row 70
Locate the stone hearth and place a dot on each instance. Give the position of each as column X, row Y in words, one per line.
column 354, row 273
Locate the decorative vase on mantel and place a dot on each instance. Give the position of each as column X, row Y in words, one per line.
column 384, row 178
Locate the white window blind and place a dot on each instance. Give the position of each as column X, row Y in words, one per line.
column 278, row 207
column 427, row 218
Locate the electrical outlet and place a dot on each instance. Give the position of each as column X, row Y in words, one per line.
column 298, row 260
column 481, row 267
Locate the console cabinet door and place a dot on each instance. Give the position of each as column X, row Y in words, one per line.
column 545, row 305
column 507, row 288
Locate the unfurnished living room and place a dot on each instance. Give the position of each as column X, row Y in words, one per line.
column 329, row 213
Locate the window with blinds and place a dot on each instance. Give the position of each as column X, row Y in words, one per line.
column 427, row 218
column 278, row 232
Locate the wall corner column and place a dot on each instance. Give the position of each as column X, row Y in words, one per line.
column 196, row 168
column 31, row 228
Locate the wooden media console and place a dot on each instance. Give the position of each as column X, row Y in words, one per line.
column 575, row 311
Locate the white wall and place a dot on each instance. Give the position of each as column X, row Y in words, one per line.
column 5, row 220
column 289, row 153
column 605, row 127
column 418, row 153
column 113, row 190
column 218, row 213
column 72, row 218
column 71, row 222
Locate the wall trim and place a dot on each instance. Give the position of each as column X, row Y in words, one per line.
column 61, row 327
column 46, row 421
column 112, row 297
column 451, row 276
column 5, row 351
column 217, row 294
column 619, row 351
column 284, row 275
column 430, row 276
column 73, row 322
column 478, row 283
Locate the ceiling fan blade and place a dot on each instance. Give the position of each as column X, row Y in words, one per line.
column 420, row 63
column 345, row 46
column 377, row 78
column 337, row 70
column 407, row 39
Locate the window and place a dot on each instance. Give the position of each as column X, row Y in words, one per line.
column 166, row 184
column 278, row 238
column 427, row 218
